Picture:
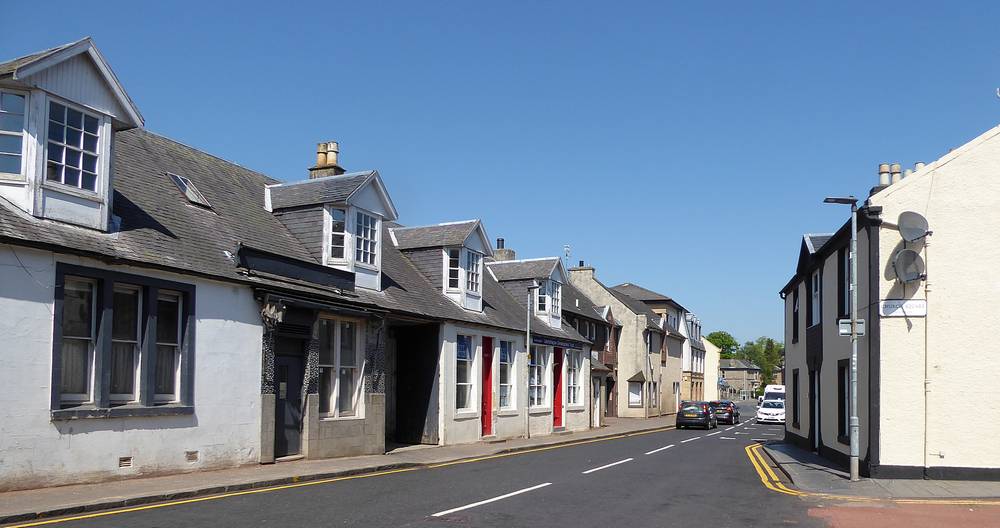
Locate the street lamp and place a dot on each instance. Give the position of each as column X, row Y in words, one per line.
column 855, row 448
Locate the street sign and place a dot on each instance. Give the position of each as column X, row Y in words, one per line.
column 903, row 308
column 844, row 327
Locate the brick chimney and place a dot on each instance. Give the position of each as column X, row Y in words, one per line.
column 327, row 154
column 501, row 253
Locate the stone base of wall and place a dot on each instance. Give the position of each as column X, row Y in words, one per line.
column 267, row 404
column 343, row 437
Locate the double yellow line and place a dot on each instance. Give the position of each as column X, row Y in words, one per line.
column 773, row 483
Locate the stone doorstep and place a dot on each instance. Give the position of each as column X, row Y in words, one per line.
column 119, row 502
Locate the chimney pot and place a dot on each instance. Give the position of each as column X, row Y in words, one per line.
column 883, row 174
column 499, row 243
column 581, row 263
column 332, row 153
column 896, row 173
column 321, row 155
column 327, row 153
column 907, row 173
column 919, row 165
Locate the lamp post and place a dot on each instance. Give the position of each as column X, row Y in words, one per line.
column 855, row 448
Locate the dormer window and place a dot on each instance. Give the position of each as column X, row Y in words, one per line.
column 366, row 238
column 472, row 276
column 548, row 296
column 72, row 152
column 11, row 133
column 454, row 268
column 338, row 233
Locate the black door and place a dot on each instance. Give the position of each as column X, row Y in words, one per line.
column 288, row 408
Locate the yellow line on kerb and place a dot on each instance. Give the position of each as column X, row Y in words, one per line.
column 773, row 483
column 324, row 481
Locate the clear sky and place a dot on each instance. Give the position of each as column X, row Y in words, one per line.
column 683, row 146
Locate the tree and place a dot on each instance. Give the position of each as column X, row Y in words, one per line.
column 767, row 354
column 728, row 345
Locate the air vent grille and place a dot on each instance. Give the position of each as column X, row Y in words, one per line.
column 125, row 462
column 191, row 456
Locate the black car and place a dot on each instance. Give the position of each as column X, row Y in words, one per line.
column 726, row 411
column 696, row 413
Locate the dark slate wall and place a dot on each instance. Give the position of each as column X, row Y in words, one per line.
column 518, row 289
column 429, row 262
column 306, row 223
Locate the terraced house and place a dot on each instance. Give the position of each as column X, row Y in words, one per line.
column 164, row 310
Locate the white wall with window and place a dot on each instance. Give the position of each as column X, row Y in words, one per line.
column 353, row 241
column 57, row 399
column 463, row 276
column 574, row 363
column 341, row 368
column 635, row 390
column 465, row 382
column 548, row 302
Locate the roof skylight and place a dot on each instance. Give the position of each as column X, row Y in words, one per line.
column 189, row 190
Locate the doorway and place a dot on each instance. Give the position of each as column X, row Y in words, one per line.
column 557, row 381
column 595, row 391
column 610, row 405
column 487, row 399
column 288, row 373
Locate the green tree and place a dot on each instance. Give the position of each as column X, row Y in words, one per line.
column 766, row 353
column 728, row 345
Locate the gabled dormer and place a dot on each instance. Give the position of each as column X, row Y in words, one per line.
column 338, row 216
column 59, row 110
column 452, row 255
column 548, row 274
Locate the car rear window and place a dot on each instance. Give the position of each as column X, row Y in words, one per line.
column 691, row 407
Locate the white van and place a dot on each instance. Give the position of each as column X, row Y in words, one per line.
column 774, row 392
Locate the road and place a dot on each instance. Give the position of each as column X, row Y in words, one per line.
column 667, row 478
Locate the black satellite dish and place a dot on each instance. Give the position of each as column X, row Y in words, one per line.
column 908, row 265
column 912, row 226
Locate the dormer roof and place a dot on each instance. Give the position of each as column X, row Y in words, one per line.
column 540, row 268
column 448, row 234
column 331, row 189
column 30, row 70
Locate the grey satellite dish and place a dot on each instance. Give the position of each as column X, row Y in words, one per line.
column 908, row 265
column 912, row 226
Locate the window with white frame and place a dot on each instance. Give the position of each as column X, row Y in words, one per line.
column 12, row 113
column 463, row 373
column 366, row 239
column 341, row 364
column 454, row 268
column 635, row 394
column 168, row 346
column 536, row 377
column 543, row 296
column 472, row 276
column 554, row 294
column 78, row 335
column 654, row 394
column 507, row 375
column 72, row 148
column 573, row 376
column 125, row 329
column 338, row 233
column 815, row 291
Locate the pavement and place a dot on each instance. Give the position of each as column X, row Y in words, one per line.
column 811, row 473
column 663, row 477
column 26, row 505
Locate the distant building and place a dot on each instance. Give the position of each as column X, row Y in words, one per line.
column 741, row 376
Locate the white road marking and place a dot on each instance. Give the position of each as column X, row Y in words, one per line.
column 727, row 438
column 713, row 434
column 589, row 471
column 758, row 439
column 731, row 428
column 769, row 434
column 657, row 450
column 737, row 432
column 494, row 499
column 690, row 439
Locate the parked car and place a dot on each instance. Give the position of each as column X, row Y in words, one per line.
column 771, row 411
column 696, row 413
column 726, row 411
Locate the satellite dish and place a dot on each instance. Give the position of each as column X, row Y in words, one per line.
column 912, row 226
column 908, row 265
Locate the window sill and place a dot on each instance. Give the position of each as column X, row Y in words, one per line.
column 844, row 440
column 340, row 418
column 365, row 265
column 576, row 407
column 540, row 410
column 123, row 411
column 12, row 178
column 466, row 414
column 73, row 191
column 508, row 412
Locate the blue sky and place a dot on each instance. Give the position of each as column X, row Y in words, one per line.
column 682, row 147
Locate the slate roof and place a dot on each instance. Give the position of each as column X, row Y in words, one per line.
column 639, row 308
column 639, row 293
column 523, row 269
column 574, row 301
column 816, row 241
column 10, row 66
column 159, row 228
column 336, row 189
column 440, row 235
column 737, row 364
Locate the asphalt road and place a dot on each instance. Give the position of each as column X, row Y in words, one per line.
column 703, row 479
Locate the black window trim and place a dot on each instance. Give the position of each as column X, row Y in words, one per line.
column 100, row 407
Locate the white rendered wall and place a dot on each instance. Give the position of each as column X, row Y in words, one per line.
column 36, row 451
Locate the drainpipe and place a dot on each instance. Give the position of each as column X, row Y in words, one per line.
column 527, row 355
column 927, row 381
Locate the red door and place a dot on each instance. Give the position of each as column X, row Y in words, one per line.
column 487, row 410
column 557, row 361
